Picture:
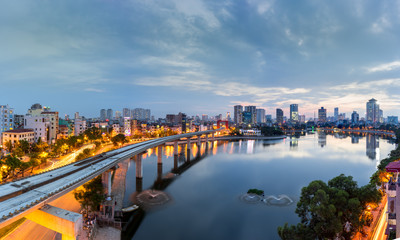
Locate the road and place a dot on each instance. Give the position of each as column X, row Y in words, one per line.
column 67, row 159
column 381, row 226
column 33, row 231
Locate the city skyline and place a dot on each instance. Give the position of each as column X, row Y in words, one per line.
column 186, row 56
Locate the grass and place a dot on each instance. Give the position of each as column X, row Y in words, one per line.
column 9, row 228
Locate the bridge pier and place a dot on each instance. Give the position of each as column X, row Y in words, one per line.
column 139, row 185
column 175, row 162
column 176, row 148
column 139, row 170
column 106, row 179
column 159, row 154
column 199, row 141
column 159, row 171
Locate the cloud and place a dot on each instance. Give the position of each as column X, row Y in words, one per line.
column 384, row 67
column 262, row 6
column 380, row 25
column 196, row 8
column 94, row 90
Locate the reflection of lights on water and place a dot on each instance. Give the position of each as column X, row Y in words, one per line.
column 250, row 146
column 231, row 151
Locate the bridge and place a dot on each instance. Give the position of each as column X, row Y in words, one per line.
column 28, row 197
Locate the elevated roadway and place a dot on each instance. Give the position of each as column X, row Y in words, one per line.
column 19, row 198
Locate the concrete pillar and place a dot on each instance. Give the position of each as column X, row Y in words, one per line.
column 206, row 141
column 69, row 224
column 212, row 139
column 159, row 171
column 139, row 185
column 188, row 155
column 176, row 148
column 109, row 186
column 175, row 162
column 199, row 141
column 139, row 171
column 188, row 144
column 159, row 154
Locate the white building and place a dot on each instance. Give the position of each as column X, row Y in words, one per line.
column 37, row 110
column 40, row 125
column 79, row 126
column 16, row 135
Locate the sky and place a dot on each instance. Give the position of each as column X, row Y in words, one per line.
column 200, row 57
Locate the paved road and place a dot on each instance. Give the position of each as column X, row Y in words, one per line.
column 33, row 231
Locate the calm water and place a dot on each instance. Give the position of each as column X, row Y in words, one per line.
column 205, row 198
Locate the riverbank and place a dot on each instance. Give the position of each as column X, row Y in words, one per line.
column 360, row 131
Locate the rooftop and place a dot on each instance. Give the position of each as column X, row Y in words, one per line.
column 393, row 167
column 18, row 131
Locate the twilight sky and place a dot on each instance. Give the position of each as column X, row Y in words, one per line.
column 199, row 57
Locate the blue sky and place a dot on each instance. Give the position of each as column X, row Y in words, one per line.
column 199, row 57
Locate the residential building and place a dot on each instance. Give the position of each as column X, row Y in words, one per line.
column 373, row 113
column 118, row 114
column 36, row 110
column 141, row 114
column 279, row 116
column 126, row 112
column 109, row 114
column 355, row 117
column 336, row 113
column 247, row 117
column 80, row 126
column 19, row 121
column 302, row 118
column 16, row 135
column 322, row 115
column 253, row 111
column 294, row 112
column 394, row 120
column 6, row 118
column 237, row 114
column 40, row 125
column 103, row 115
column 261, row 115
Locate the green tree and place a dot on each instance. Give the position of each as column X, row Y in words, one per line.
column 33, row 162
column 119, row 139
column 25, row 146
column 93, row 133
column 91, row 195
column 24, row 166
column 9, row 146
column 12, row 162
column 333, row 210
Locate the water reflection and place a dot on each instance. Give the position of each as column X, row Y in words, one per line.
column 206, row 182
column 373, row 147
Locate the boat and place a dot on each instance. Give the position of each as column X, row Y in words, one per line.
column 130, row 209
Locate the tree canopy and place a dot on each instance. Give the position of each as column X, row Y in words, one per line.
column 332, row 210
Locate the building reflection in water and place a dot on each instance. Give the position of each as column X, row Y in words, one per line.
column 321, row 138
column 294, row 143
column 373, row 147
column 250, row 146
column 355, row 139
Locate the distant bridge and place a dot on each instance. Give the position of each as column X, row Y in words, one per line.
column 24, row 196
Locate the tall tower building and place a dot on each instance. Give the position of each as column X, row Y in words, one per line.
column 279, row 116
column 355, row 117
column 294, row 112
column 373, row 113
column 322, row 115
column 237, row 114
column 109, row 114
column 336, row 113
column 103, row 114
column 6, row 119
column 126, row 112
column 260, row 115
column 253, row 111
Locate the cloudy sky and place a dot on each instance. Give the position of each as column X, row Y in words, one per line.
column 199, row 57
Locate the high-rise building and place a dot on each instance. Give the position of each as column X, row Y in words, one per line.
column 237, row 114
column 302, row 118
column 109, row 114
column 336, row 113
column 204, row 117
column 355, row 117
column 76, row 115
column 394, row 120
column 126, row 112
column 322, row 115
column 247, row 117
column 37, row 112
column 6, row 118
column 118, row 114
column 260, row 115
column 279, row 116
column 228, row 116
column 380, row 115
column 373, row 113
column 253, row 111
column 294, row 112
column 141, row 114
column 103, row 114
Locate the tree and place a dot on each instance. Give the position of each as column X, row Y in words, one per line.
column 23, row 166
column 9, row 146
column 25, row 146
column 333, row 210
column 33, row 162
column 93, row 133
column 12, row 162
column 119, row 139
column 91, row 195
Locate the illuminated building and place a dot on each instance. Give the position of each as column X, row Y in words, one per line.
column 253, row 111
column 279, row 116
column 322, row 115
column 355, row 117
column 336, row 113
column 294, row 112
column 260, row 115
column 373, row 113
column 237, row 114
column 16, row 135
column 6, row 118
